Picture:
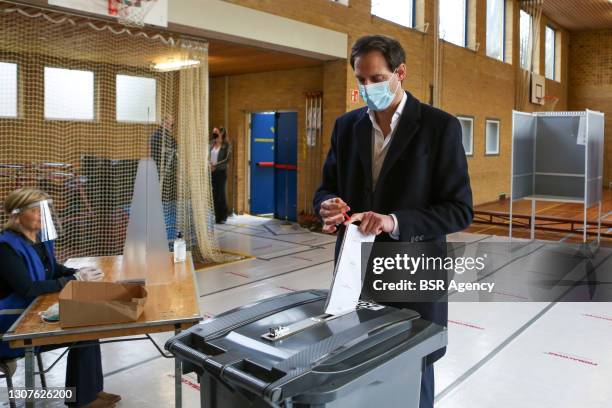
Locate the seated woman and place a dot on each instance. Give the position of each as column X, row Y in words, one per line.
column 28, row 269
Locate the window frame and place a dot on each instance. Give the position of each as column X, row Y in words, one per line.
column 412, row 16
column 554, row 51
column 503, row 39
column 466, row 22
column 471, row 120
column 157, row 108
column 94, row 95
column 498, row 121
column 17, row 89
column 521, row 12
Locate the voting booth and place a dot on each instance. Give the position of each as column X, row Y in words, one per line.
column 558, row 156
column 285, row 351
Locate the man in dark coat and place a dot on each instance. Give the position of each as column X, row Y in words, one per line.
column 399, row 167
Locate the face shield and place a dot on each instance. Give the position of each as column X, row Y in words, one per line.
column 48, row 232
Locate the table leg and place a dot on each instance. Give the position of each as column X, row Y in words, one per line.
column 29, row 373
column 178, row 380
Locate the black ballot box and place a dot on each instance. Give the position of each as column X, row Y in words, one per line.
column 285, row 352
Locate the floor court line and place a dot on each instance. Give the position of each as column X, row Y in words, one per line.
column 265, row 278
column 489, row 356
column 274, row 239
column 506, row 342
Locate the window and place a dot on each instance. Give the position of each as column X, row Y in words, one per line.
column 525, row 43
column 495, row 28
column 136, row 99
column 467, row 127
column 453, row 21
column 549, row 53
column 8, row 90
column 69, row 94
column 492, row 137
column 398, row 11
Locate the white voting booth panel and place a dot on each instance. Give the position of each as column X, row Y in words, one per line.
column 557, row 156
column 594, row 157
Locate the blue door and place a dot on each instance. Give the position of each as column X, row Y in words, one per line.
column 262, row 162
column 286, row 166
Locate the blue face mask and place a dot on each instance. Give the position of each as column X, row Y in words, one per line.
column 378, row 96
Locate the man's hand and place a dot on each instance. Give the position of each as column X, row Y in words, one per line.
column 332, row 213
column 213, row 167
column 373, row 223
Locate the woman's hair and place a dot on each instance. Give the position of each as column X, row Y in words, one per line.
column 223, row 133
column 18, row 199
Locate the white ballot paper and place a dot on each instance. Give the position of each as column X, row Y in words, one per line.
column 346, row 286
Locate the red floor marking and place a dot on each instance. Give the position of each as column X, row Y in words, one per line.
column 579, row 360
column 239, row 274
column 187, row 382
column 289, row 289
column 598, row 317
column 473, row 326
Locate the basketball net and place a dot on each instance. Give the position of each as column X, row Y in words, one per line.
column 131, row 12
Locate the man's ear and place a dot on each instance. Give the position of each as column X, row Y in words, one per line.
column 401, row 72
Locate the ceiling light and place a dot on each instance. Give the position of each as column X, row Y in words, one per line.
column 175, row 65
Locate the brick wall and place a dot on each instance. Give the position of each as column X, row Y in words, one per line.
column 473, row 84
column 590, row 78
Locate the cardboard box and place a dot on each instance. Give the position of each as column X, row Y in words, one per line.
column 100, row 303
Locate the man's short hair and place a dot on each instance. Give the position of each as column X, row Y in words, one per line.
column 390, row 48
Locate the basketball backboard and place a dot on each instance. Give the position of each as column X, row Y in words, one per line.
column 158, row 15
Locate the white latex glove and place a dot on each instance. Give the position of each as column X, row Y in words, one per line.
column 89, row 274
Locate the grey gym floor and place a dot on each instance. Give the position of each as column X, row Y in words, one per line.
column 514, row 355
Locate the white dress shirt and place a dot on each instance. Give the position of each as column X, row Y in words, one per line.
column 214, row 155
column 380, row 147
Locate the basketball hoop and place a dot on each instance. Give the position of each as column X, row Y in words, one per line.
column 549, row 102
column 130, row 12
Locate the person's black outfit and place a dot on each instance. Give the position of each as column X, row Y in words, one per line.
column 219, row 181
column 424, row 181
column 84, row 364
column 164, row 153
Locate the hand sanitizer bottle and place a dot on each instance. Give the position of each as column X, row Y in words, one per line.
column 180, row 248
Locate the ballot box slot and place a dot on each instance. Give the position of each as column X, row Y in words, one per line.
column 276, row 333
column 222, row 324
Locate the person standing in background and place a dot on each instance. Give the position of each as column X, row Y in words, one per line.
column 220, row 152
column 163, row 149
